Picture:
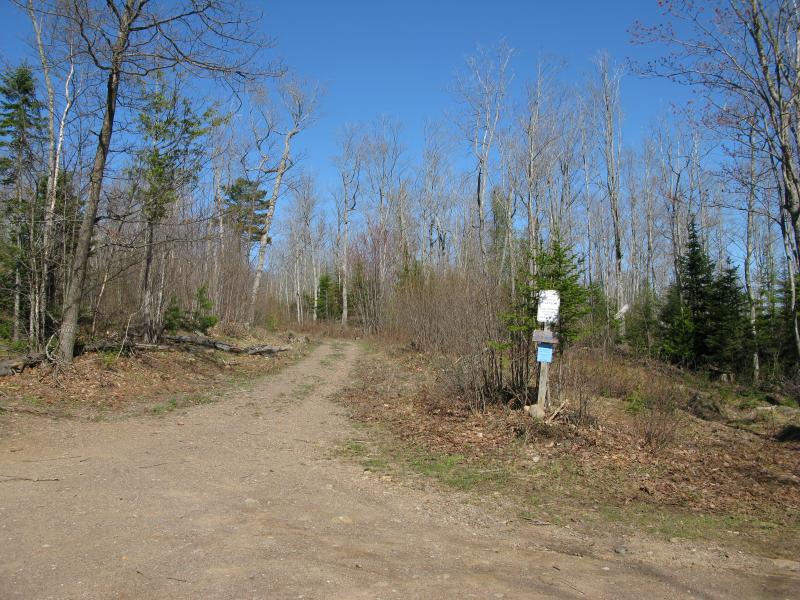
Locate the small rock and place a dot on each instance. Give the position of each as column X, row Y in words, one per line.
column 620, row 550
column 535, row 411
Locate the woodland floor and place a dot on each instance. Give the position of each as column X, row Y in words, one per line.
column 269, row 489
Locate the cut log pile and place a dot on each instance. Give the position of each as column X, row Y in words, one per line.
column 16, row 365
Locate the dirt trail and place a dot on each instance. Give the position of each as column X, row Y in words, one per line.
column 242, row 499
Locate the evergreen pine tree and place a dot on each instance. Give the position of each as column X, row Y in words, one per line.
column 697, row 279
column 641, row 327
column 20, row 132
column 559, row 269
column 677, row 343
column 21, row 124
column 246, row 205
column 329, row 298
column 786, row 359
column 726, row 336
column 703, row 316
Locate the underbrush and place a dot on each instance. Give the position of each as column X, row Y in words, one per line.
column 628, row 453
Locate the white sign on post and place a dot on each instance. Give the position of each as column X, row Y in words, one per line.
column 549, row 301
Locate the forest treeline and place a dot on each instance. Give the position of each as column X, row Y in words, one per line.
column 145, row 148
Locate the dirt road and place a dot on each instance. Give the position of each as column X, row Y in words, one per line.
column 244, row 499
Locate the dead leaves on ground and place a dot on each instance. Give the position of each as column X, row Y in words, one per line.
column 104, row 383
column 709, row 467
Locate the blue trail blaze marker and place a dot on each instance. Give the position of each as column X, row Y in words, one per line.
column 544, row 354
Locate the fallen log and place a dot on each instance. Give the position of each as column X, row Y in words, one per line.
column 253, row 350
column 207, row 342
column 18, row 365
column 114, row 345
column 14, row 366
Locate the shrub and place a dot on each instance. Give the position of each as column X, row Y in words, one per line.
column 198, row 319
column 109, row 359
column 658, row 425
column 636, row 403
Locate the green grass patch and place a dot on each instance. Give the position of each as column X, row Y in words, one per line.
column 32, row 400
column 169, row 406
column 304, row 390
column 363, row 452
column 354, row 448
column 453, row 470
column 174, row 404
column 749, row 403
column 376, row 463
column 332, row 358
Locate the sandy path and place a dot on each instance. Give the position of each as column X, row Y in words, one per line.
column 241, row 499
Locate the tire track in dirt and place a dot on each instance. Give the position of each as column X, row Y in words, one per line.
column 242, row 499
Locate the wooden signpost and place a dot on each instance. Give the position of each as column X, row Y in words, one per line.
column 547, row 313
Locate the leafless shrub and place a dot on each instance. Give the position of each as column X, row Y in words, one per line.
column 570, row 385
column 618, row 376
column 791, row 387
column 234, row 330
column 658, row 425
column 455, row 316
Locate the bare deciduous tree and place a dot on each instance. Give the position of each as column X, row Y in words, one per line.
column 299, row 101
column 134, row 38
column 482, row 93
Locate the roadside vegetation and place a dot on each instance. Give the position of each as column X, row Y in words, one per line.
column 610, row 466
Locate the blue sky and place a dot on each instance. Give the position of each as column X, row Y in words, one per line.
column 398, row 58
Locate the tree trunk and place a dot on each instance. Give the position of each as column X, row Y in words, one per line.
column 790, row 262
column 748, row 258
column 344, row 265
column 15, row 335
column 264, row 240
column 216, row 292
column 55, row 144
column 147, row 292
column 74, row 291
